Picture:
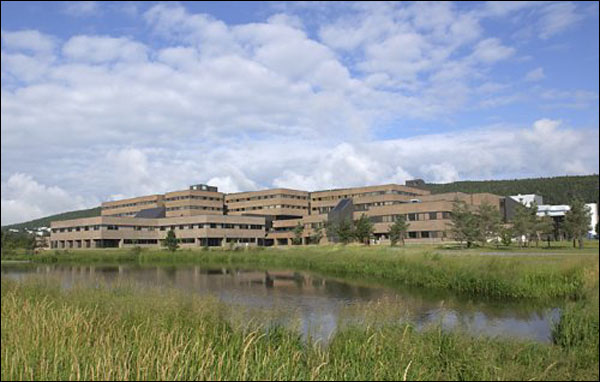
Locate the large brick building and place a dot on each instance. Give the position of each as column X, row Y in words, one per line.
column 202, row 216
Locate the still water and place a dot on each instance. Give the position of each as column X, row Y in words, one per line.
column 317, row 305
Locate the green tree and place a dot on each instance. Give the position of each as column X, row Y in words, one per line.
column 523, row 224
column 490, row 222
column 577, row 222
column 398, row 230
column 506, row 235
column 465, row 224
column 345, row 231
column 363, row 229
column 317, row 235
column 171, row 241
column 298, row 231
column 544, row 228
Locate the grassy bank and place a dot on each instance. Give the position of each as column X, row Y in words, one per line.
column 91, row 333
column 463, row 272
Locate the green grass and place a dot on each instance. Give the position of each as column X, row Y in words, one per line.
column 460, row 271
column 122, row 332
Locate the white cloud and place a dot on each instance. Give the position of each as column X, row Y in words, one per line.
column 29, row 40
column 491, row 50
column 266, row 104
column 24, row 199
column 99, row 49
column 557, row 17
column 536, row 74
column 81, row 8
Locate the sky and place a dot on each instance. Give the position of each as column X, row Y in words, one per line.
column 107, row 100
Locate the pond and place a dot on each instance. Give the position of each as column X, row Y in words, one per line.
column 318, row 304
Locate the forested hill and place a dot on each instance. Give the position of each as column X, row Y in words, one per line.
column 45, row 221
column 557, row 190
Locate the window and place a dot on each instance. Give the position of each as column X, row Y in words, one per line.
column 432, row 215
column 446, row 215
column 412, row 235
column 213, row 225
column 412, row 217
column 163, row 228
column 425, row 234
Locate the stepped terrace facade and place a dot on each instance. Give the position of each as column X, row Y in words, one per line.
column 202, row 216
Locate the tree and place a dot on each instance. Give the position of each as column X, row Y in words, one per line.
column 317, row 235
column 544, row 227
column 298, row 231
column 398, row 230
column 171, row 241
column 523, row 224
column 506, row 234
column 363, row 229
column 577, row 221
column 345, row 231
column 490, row 222
column 465, row 224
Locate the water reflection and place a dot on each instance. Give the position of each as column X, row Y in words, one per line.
column 316, row 304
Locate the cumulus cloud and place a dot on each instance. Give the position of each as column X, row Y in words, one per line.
column 99, row 49
column 268, row 104
column 29, row 40
column 23, row 198
column 536, row 74
column 81, row 8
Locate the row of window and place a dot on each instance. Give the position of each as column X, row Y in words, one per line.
column 262, row 197
column 211, row 225
column 365, row 194
column 162, row 228
column 140, row 241
column 194, row 208
column 129, row 205
column 194, row 197
column 419, row 235
column 411, row 217
column 269, row 207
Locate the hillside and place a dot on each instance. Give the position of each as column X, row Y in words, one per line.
column 557, row 190
column 45, row 221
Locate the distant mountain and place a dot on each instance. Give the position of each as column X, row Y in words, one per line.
column 45, row 222
column 556, row 190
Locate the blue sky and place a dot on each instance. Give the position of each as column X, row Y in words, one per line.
column 102, row 100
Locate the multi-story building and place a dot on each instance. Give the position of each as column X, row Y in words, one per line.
column 428, row 215
column 279, row 203
column 130, row 207
column 199, row 230
column 202, row 216
column 198, row 200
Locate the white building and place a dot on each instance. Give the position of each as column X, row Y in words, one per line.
column 528, row 199
column 559, row 210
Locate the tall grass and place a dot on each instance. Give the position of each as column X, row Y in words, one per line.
column 121, row 333
column 527, row 277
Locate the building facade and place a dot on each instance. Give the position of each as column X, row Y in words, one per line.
column 202, row 216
